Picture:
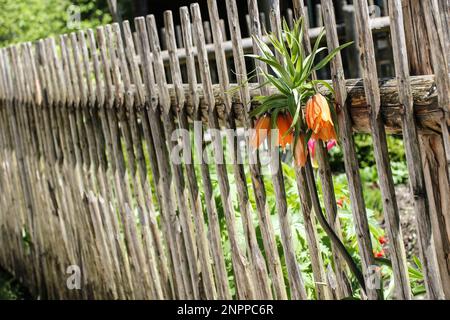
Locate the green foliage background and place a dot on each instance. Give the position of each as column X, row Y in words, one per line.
column 10, row 289
column 29, row 20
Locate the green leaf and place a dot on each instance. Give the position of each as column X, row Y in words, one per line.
column 415, row 274
column 258, row 111
column 268, row 104
column 278, row 83
column 325, row 84
column 296, row 109
column 419, row 290
column 417, row 262
column 291, row 103
column 316, row 49
column 273, row 119
column 279, row 70
column 330, row 56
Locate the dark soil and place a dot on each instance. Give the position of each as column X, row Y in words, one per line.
column 407, row 220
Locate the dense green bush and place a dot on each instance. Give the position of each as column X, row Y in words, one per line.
column 35, row 19
column 366, row 157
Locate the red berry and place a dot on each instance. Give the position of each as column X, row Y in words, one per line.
column 379, row 254
column 382, row 240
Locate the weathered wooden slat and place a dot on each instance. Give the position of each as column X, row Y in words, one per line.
column 434, row 148
column 439, row 55
column 100, row 218
column 55, row 67
column 27, row 217
column 185, row 216
column 49, row 143
column 105, row 189
column 43, row 152
column 223, row 290
column 130, row 141
column 295, row 277
column 268, row 233
column 390, row 209
column 106, row 192
column 156, row 149
column 121, row 176
column 18, row 164
column 256, row 259
column 42, row 134
column 412, row 147
column 305, row 190
column 243, row 279
column 147, row 216
column 83, row 160
column 346, row 140
column 180, row 264
column 103, row 248
column 36, row 140
column 203, row 252
column 103, row 114
column 141, row 37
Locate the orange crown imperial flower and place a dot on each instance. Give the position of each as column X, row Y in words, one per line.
column 259, row 134
column 300, row 152
column 284, row 122
column 318, row 118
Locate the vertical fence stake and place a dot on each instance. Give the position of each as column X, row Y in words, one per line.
column 390, row 208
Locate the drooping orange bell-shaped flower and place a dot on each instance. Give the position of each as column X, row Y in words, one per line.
column 285, row 137
column 318, row 118
column 260, row 132
column 301, row 151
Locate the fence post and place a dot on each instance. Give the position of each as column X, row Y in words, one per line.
column 432, row 145
column 243, row 278
column 295, row 277
column 308, row 193
column 371, row 87
column 255, row 255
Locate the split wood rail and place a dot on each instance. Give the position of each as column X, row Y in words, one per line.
column 90, row 190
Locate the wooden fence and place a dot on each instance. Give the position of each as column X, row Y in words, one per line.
column 89, row 185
